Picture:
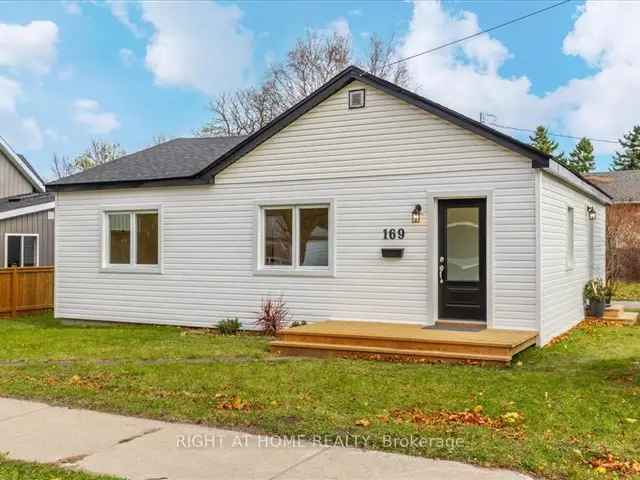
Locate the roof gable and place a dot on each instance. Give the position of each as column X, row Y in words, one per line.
column 158, row 165
column 22, row 165
column 349, row 75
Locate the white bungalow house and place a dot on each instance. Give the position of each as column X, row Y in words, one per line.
column 364, row 202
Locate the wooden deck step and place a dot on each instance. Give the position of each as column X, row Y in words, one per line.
column 614, row 311
column 627, row 318
column 452, row 345
column 327, row 350
column 396, row 341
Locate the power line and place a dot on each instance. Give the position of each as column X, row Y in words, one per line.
column 529, row 130
column 468, row 37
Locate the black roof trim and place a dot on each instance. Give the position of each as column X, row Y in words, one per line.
column 350, row 74
column 103, row 185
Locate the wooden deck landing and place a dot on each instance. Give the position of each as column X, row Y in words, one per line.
column 402, row 342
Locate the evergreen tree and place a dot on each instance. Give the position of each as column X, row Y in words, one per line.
column 581, row 159
column 541, row 140
column 629, row 158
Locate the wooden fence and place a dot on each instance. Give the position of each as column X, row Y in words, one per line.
column 24, row 290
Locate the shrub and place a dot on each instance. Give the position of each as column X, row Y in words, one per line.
column 229, row 326
column 273, row 316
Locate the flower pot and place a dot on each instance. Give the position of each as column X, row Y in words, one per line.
column 597, row 308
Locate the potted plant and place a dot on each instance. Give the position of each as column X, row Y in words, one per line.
column 595, row 292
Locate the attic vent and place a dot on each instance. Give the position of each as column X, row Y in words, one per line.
column 356, row 98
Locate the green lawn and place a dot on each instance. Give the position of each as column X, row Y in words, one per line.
column 551, row 413
column 628, row 291
column 10, row 470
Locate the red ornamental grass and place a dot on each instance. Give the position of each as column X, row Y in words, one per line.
column 273, row 316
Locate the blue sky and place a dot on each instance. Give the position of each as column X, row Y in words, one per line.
column 126, row 72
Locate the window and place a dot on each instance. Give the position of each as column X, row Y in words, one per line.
column 356, row 98
column 570, row 238
column 295, row 238
column 132, row 239
column 21, row 250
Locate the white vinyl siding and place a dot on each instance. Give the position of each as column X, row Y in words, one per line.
column 375, row 164
column 561, row 286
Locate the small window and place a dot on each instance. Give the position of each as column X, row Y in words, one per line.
column 132, row 238
column 570, row 238
column 295, row 237
column 356, row 98
column 21, row 250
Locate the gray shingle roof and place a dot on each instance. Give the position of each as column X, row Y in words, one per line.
column 22, row 201
column 178, row 158
column 623, row 186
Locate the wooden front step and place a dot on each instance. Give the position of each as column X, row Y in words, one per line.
column 614, row 311
column 402, row 342
column 451, row 346
column 356, row 351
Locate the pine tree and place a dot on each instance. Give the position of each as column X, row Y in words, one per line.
column 629, row 158
column 581, row 159
column 541, row 140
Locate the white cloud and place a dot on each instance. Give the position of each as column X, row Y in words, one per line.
column 467, row 77
column 87, row 112
column 9, row 92
column 339, row 26
column 120, row 10
column 201, row 45
column 72, row 8
column 127, row 57
column 28, row 47
column 22, row 133
column 605, row 104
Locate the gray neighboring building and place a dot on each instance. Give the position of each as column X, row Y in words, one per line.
column 27, row 213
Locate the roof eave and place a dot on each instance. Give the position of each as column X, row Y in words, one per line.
column 163, row 182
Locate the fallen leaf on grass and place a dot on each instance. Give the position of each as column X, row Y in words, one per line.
column 91, row 382
column 608, row 462
column 472, row 416
column 631, row 420
column 234, row 403
column 363, row 422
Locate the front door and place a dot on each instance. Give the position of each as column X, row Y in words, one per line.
column 462, row 259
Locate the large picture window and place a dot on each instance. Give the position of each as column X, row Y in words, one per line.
column 21, row 250
column 132, row 238
column 295, row 238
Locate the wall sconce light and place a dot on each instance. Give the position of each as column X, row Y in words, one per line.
column 592, row 212
column 416, row 214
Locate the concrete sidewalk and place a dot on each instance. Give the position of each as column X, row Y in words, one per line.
column 141, row 449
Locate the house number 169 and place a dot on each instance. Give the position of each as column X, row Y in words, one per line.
column 392, row 233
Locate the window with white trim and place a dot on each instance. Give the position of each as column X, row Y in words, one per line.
column 132, row 239
column 570, row 238
column 295, row 238
column 21, row 250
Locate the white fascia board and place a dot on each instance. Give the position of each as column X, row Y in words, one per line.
column 21, row 166
column 27, row 210
column 564, row 174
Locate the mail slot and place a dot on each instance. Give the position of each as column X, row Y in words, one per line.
column 392, row 252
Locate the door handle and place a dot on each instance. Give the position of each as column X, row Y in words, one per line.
column 441, row 271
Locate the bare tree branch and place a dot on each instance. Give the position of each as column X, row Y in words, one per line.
column 313, row 60
column 61, row 167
